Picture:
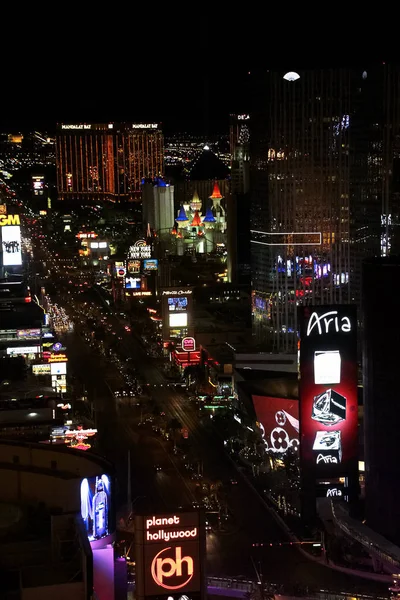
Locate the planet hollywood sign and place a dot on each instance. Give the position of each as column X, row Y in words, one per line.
column 169, row 554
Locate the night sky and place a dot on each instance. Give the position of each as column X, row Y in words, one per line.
column 187, row 79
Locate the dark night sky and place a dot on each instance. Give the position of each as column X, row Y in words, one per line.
column 188, row 81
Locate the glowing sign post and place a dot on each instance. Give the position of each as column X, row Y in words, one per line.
column 170, row 552
column 328, row 399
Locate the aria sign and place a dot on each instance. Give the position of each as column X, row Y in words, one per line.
column 169, row 554
column 323, row 323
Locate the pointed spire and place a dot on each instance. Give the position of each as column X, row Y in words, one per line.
column 209, row 218
column 216, row 194
column 195, row 202
column 196, row 220
column 182, row 215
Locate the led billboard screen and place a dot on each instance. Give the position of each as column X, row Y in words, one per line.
column 178, row 320
column 169, row 554
column 328, row 391
column 151, row 264
column 133, row 266
column 278, row 420
column 95, row 506
column 132, row 283
column 177, row 303
column 11, row 245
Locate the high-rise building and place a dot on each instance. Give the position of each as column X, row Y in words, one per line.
column 107, row 161
column 324, row 146
column 381, row 358
column 238, row 203
column 158, row 206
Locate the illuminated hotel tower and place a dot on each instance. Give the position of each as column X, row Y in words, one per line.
column 107, row 161
column 324, row 172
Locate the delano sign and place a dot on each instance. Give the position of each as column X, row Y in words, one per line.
column 9, row 220
column 170, row 554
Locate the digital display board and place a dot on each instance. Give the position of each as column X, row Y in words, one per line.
column 278, row 420
column 179, row 303
column 11, row 245
column 58, row 368
column 132, row 283
column 169, row 554
column 95, row 506
column 133, row 266
column 41, row 369
column 178, row 320
column 23, row 350
column 150, row 264
column 26, row 334
column 328, row 392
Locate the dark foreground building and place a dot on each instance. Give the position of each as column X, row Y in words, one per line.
column 381, row 354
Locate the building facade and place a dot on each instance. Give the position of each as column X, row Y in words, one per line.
column 381, row 355
column 323, row 147
column 107, row 161
column 158, row 206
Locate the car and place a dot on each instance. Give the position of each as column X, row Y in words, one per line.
column 157, row 468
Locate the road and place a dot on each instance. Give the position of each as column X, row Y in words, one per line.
column 229, row 553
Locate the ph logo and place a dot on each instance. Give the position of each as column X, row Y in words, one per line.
column 162, row 568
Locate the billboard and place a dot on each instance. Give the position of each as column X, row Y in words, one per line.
column 151, row 264
column 169, row 555
column 95, row 506
column 41, row 369
column 26, row 334
column 133, row 266
column 179, row 303
column 11, row 245
column 58, row 368
column 328, row 393
column 132, row 283
column 178, row 320
column 278, row 419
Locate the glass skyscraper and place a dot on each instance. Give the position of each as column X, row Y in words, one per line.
column 323, row 162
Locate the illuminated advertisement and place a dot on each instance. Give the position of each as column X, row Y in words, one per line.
column 41, row 369
column 150, row 264
column 120, row 271
column 179, row 303
column 169, row 555
column 23, row 350
column 26, row 334
column 132, row 283
column 38, row 184
column 95, row 506
column 11, row 245
column 328, row 392
column 133, row 266
column 140, row 250
column 278, row 419
column 188, row 344
column 58, row 368
column 178, row 320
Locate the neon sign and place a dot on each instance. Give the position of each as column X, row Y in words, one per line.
column 176, row 292
column 319, row 321
column 326, row 459
column 144, row 125
column 9, row 220
column 81, row 126
column 174, row 568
